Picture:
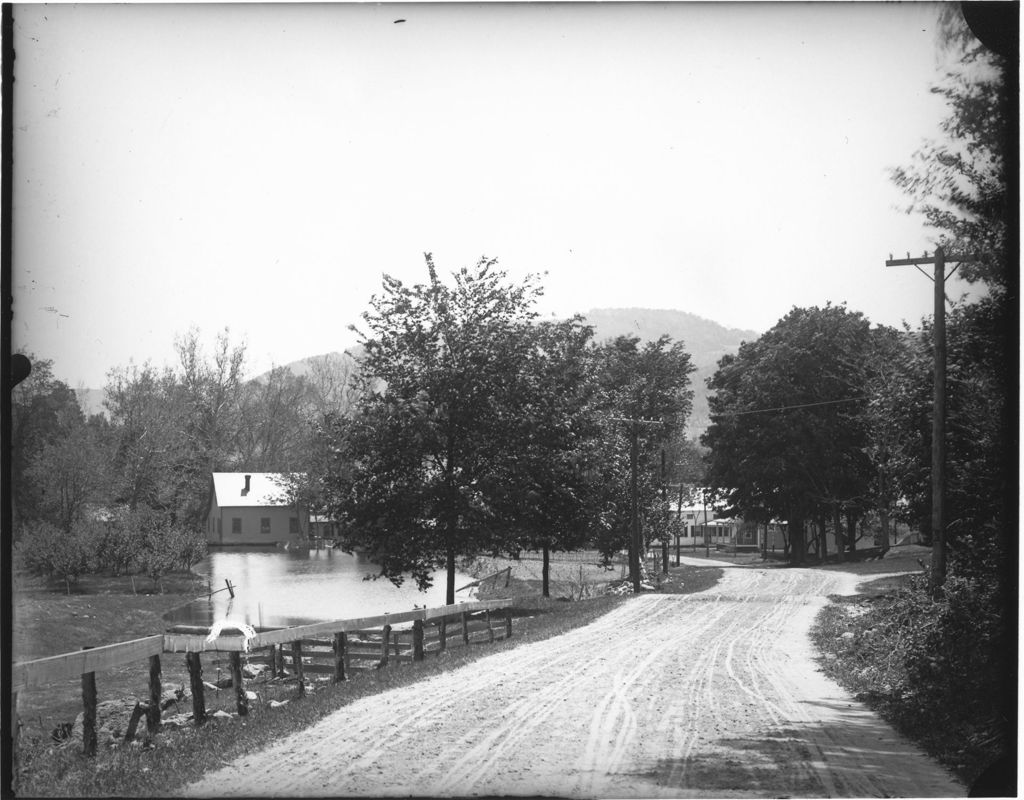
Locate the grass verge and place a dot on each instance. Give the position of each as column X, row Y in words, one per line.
column 878, row 645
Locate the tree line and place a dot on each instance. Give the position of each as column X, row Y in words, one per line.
column 126, row 489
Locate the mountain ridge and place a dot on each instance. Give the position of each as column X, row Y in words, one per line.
column 705, row 340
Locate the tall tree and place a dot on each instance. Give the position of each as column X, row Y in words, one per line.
column 210, row 391
column 649, row 383
column 432, row 434
column 788, row 436
column 42, row 407
column 274, row 426
column 147, row 420
column 545, row 490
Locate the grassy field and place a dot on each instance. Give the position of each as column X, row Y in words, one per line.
column 47, row 622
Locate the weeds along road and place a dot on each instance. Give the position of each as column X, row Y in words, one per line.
column 707, row 695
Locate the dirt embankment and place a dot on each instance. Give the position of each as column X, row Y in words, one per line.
column 706, row 695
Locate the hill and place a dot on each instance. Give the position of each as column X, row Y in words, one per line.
column 706, row 341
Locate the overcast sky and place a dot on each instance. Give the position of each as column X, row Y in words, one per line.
column 260, row 167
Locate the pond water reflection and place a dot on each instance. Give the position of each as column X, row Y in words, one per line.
column 277, row 588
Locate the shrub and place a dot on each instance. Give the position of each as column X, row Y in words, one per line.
column 191, row 547
column 119, row 545
column 936, row 669
column 45, row 549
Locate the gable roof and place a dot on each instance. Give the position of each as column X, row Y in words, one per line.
column 266, row 489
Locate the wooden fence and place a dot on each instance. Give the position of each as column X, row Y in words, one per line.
column 335, row 648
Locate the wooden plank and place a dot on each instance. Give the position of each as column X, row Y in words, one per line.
column 67, row 666
column 335, row 626
column 317, row 669
column 458, row 608
column 188, row 643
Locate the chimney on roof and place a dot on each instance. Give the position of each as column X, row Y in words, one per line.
column 245, row 491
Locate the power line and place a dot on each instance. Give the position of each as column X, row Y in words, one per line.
column 788, row 408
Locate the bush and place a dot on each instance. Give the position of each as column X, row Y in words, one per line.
column 45, row 549
column 190, row 544
column 119, row 545
column 937, row 670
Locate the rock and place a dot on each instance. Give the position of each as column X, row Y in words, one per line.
column 251, row 696
column 172, row 697
column 111, row 721
column 220, row 714
column 176, row 720
column 252, row 671
column 278, row 703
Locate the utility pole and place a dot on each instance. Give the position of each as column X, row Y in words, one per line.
column 938, row 573
column 635, row 542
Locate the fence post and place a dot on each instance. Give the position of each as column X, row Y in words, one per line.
column 417, row 640
column 297, row 665
column 241, row 701
column 508, row 575
column 153, row 712
column 490, row 630
column 384, row 645
column 508, row 623
column 465, row 627
column 339, row 657
column 133, row 722
column 664, row 557
column 89, row 711
column 195, row 674
column 442, row 632
column 15, row 731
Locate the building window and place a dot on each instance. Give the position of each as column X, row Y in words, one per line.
column 236, row 524
column 264, row 524
column 293, row 525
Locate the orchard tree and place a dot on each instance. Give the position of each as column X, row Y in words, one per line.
column 436, row 426
column 46, row 549
column 788, row 436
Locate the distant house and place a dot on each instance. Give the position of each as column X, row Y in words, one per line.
column 253, row 508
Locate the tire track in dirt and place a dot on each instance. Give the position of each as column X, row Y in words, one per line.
column 713, row 695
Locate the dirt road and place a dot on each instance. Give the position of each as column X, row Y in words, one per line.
column 707, row 695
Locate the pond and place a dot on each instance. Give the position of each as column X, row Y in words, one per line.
column 279, row 588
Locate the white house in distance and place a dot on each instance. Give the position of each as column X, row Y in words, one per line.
column 253, row 509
